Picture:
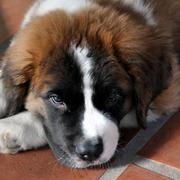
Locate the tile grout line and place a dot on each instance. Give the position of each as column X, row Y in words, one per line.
column 157, row 167
column 127, row 155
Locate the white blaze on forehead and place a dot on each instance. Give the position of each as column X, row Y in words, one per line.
column 95, row 123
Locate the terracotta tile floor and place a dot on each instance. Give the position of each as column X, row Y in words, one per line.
column 165, row 145
column 11, row 15
column 40, row 164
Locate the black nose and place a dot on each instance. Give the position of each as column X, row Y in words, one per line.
column 90, row 150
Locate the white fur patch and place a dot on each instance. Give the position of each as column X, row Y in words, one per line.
column 95, row 123
column 21, row 132
column 42, row 7
column 143, row 8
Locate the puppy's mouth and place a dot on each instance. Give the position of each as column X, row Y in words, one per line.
column 67, row 159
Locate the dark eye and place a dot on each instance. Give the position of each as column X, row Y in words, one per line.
column 114, row 98
column 57, row 102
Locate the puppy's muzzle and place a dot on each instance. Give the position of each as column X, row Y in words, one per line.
column 90, row 150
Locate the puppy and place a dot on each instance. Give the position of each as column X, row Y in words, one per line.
column 79, row 70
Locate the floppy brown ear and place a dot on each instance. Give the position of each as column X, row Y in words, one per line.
column 149, row 78
column 16, row 75
column 142, row 101
column 18, row 65
column 145, row 55
column 18, row 69
column 143, row 92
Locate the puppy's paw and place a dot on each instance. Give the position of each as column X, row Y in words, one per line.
column 10, row 139
column 9, row 144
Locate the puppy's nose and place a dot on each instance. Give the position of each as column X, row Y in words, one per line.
column 90, row 150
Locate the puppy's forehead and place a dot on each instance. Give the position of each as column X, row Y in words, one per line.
column 59, row 70
column 72, row 69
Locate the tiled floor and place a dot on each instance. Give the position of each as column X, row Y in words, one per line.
column 11, row 14
column 165, row 145
column 159, row 159
column 40, row 165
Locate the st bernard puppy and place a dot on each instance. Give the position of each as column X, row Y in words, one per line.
column 79, row 70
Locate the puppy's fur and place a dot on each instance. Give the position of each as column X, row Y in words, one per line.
column 84, row 69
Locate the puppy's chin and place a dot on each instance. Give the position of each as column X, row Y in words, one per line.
column 71, row 160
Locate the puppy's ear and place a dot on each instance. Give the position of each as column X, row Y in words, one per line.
column 18, row 69
column 16, row 74
column 149, row 78
column 18, row 65
column 144, row 54
column 143, row 92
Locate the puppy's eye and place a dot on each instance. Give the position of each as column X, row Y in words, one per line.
column 57, row 102
column 114, row 98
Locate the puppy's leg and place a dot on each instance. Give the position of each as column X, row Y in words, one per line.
column 21, row 132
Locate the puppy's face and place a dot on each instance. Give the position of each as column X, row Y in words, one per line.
column 82, row 76
column 84, row 95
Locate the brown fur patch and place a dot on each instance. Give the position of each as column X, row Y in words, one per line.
column 117, row 32
column 35, row 42
column 35, row 104
column 168, row 100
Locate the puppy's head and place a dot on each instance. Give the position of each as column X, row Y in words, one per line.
column 83, row 77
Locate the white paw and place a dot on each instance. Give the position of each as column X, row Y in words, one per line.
column 10, row 138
